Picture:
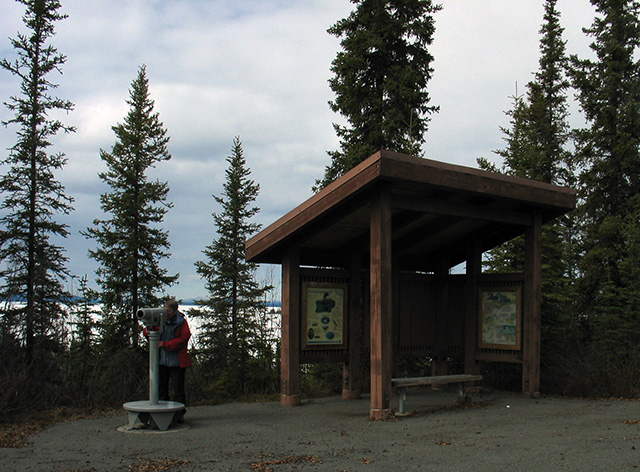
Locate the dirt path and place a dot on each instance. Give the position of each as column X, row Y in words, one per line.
column 511, row 433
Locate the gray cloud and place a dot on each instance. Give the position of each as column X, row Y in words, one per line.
column 259, row 69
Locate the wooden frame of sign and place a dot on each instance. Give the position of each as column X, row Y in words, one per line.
column 324, row 315
column 500, row 318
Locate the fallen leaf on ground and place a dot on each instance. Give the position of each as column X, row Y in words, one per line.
column 264, row 465
column 156, row 465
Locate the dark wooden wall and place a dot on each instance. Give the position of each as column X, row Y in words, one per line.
column 426, row 325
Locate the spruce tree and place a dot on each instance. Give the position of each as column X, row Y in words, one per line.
column 509, row 257
column 536, row 141
column 132, row 243
column 33, row 267
column 231, row 314
column 608, row 150
column 380, row 80
column 546, row 128
column 549, row 160
column 537, row 149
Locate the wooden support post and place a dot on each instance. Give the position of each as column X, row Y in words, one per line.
column 351, row 383
column 381, row 306
column 395, row 315
column 532, row 308
column 290, row 348
column 474, row 269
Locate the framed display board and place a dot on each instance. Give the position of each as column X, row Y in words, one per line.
column 324, row 307
column 499, row 318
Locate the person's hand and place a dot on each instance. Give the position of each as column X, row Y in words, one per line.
column 160, row 343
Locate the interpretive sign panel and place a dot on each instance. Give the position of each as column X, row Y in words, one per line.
column 324, row 308
column 499, row 318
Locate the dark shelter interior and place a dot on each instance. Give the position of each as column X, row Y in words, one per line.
column 366, row 268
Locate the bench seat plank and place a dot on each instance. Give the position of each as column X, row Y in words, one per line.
column 403, row 383
column 415, row 381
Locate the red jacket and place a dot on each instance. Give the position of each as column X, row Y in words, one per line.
column 179, row 342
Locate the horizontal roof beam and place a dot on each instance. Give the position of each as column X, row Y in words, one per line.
column 462, row 210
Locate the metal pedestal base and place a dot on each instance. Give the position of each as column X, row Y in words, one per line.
column 156, row 416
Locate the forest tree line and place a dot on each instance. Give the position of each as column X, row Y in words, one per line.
column 591, row 257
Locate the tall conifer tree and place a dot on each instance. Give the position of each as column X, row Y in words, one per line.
column 546, row 129
column 539, row 132
column 131, row 243
column 537, row 149
column 33, row 267
column 609, row 152
column 549, row 160
column 380, row 80
column 231, row 334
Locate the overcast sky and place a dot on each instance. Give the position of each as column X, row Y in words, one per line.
column 258, row 69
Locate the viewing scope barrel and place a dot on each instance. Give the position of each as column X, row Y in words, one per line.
column 151, row 316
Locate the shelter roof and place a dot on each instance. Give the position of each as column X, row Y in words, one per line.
column 437, row 208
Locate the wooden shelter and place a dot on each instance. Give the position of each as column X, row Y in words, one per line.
column 365, row 272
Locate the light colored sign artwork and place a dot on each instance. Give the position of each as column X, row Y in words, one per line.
column 324, row 307
column 499, row 323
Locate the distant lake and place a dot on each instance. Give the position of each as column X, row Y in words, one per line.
column 274, row 313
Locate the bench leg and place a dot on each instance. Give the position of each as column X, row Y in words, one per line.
column 402, row 398
column 460, row 391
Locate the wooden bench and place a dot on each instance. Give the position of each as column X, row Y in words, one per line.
column 402, row 383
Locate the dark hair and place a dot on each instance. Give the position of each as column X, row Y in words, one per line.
column 172, row 304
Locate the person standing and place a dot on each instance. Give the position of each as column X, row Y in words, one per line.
column 174, row 358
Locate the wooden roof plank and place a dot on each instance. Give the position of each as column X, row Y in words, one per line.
column 455, row 177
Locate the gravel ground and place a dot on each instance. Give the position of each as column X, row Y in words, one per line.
column 508, row 432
